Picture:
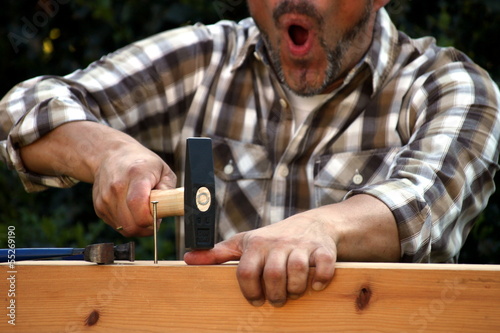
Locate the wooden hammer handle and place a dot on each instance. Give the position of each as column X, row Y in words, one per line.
column 170, row 202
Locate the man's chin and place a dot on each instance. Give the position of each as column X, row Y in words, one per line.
column 305, row 81
column 305, row 87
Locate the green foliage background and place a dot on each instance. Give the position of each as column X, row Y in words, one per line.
column 59, row 36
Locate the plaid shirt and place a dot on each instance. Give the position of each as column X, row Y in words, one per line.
column 415, row 125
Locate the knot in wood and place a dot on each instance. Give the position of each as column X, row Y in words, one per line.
column 92, row 318
column 363, row 299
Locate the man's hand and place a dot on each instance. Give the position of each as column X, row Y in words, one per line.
column 122, row 170
column 122, row 186
column 275, row 260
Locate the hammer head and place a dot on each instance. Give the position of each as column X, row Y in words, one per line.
column 199, row 195
column 106, row 253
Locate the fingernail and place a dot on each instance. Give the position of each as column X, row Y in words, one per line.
column 293, row 296
column 277, row 304
column 318, row 286
column 258, row 303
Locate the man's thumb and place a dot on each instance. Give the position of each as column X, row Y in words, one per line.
column 224, row 251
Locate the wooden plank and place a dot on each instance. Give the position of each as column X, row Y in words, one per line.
column 142, row 297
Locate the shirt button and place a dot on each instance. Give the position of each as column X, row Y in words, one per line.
column 284, row 103
column 283, row 171
column 229, row 169
column 357, row 179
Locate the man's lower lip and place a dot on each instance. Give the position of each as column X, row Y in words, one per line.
column 299, row 50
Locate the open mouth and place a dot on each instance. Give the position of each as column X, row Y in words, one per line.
column 298, row 34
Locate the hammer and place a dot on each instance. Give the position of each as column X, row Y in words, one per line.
column 103, row 253
column 196, row 200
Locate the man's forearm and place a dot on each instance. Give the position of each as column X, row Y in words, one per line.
column 74, row 149
column 363, row 228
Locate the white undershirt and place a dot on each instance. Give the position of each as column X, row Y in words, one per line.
column 302, row 106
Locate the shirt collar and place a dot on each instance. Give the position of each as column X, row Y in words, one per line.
column 250, row 48
column 381, row 54
column 384, row 49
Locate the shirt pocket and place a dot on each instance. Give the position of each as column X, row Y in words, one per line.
column 242, row 177
column 337, row 174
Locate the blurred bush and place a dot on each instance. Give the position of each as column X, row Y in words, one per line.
column 60, row 36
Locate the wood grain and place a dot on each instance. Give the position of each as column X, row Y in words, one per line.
column 61, row 296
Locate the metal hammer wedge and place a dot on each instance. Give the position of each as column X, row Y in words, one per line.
column 196, row 201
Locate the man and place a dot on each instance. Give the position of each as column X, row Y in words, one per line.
column 335, row 138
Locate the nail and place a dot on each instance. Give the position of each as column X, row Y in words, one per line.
column 155, row 227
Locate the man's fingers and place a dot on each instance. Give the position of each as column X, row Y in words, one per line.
column 139, row 189
column 249, row 274
column 275, row 277
column 119, row 211
column 298, row 273
column 168, row 179
column 138, row 204
column 324, row 260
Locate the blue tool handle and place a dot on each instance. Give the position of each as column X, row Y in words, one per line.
column 37, row 253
